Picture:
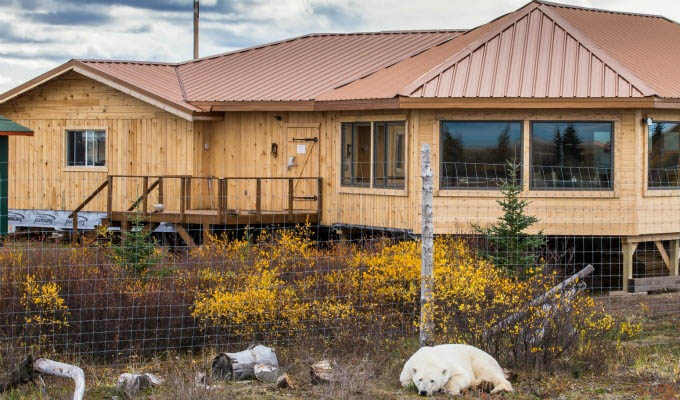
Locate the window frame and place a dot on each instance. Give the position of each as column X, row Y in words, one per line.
column 648, row 156
column 85, row 168
column 485, row 189
column 612, row 156
column 374, row 155
column 342, row 160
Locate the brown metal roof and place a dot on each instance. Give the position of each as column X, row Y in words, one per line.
column 542, row 50
column 301, row 68
column 537, row 54
column 157, row 78
column 648, row 45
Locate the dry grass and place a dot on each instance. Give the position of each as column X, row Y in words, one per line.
column 644, row 367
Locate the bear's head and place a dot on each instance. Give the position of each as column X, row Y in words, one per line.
column 429, row 379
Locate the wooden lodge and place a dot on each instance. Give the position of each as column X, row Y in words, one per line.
column 327, row 128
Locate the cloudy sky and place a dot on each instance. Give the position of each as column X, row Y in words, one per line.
column 36, row 35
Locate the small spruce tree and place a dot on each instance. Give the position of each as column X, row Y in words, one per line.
column 511, row 248
column 137, row 250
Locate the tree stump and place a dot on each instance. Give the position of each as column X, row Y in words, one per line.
column 241, row 365
column 322, row 372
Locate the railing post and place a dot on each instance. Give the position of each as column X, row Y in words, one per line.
column 319, row 200
column 145, row 200
column 160, row 190
column 222, row 199
column 182, row 197
column 74, row 233
column 109, row 198
column 188, row 194
column 291, row 194
column 258, row 194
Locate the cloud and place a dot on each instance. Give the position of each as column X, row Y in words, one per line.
column 72, row 17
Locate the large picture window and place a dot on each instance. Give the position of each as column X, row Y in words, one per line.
column 389, row 153
column 86, row 148
column 663, row 171
column 475, row 154
column 356, row 154
column 571, row 155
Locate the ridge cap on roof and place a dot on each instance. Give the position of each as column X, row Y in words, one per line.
column 602, row 10
column 106, row 61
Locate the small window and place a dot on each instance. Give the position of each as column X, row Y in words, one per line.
column 475, row 154
column 389, row 155
column 356, row 154
column 85, row 148
column 664, row 155
column 571, row 155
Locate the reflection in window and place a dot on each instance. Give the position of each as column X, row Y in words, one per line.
column 356, row 154
column 389, row 154
column 475, row 154
column 571, row 155
column 85, row 148
column 664, row 155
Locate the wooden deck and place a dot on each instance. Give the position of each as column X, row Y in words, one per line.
column 308, row 193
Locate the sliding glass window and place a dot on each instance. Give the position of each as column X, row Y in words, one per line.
column 475, row 154
column 389, row 154
column 356, row 154
column 571, row 155
column 663, row 169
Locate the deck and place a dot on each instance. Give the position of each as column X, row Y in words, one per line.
column 302, row 195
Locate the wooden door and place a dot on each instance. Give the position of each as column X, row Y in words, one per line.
column 302, row 161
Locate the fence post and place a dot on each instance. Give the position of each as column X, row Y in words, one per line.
column 427, row 253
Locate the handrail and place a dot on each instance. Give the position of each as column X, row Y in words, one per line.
column 89, row 199
column 145, row 194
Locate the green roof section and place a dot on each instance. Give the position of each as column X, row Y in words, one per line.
column 8, row 127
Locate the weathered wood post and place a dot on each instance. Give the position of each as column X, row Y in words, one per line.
column 427, row 253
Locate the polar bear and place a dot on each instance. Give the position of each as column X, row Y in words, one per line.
column 453, row 368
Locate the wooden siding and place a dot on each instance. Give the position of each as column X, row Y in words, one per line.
column 141, row 139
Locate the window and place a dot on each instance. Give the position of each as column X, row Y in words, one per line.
column 356, row 154
column 571, row 155
column 85, row 148
column 475, row 154
column 389, row 154
column 663, row 170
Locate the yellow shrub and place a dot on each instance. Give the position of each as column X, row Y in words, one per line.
column 43, row 304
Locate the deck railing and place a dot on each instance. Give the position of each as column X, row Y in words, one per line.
column 160, row 183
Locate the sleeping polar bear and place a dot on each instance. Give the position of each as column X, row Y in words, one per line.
column 452, row 367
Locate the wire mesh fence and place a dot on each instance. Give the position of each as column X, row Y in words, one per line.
column 159, row 263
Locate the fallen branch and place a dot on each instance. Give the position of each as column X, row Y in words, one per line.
column 62, row 370
column 539, row 301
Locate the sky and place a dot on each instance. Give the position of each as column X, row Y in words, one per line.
column 37, row 35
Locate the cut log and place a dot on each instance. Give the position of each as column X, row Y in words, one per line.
column 284, row 381
column 266, row 373
column 21, row 374
column 132, row 384
column 322, row 372
column 539, row 301
column 241, row 365
column 62, row 370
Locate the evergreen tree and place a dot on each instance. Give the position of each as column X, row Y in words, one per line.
column 573, row 147
column 137, row 250
column 558, row 151
column 511, row 248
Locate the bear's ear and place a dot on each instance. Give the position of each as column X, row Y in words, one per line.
column 444, row 372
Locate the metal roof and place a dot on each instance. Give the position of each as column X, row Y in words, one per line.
column 538, row 54
column 9, row 128
column 542, row 50
column 301, row 68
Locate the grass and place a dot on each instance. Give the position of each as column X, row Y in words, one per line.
column 646, row 366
